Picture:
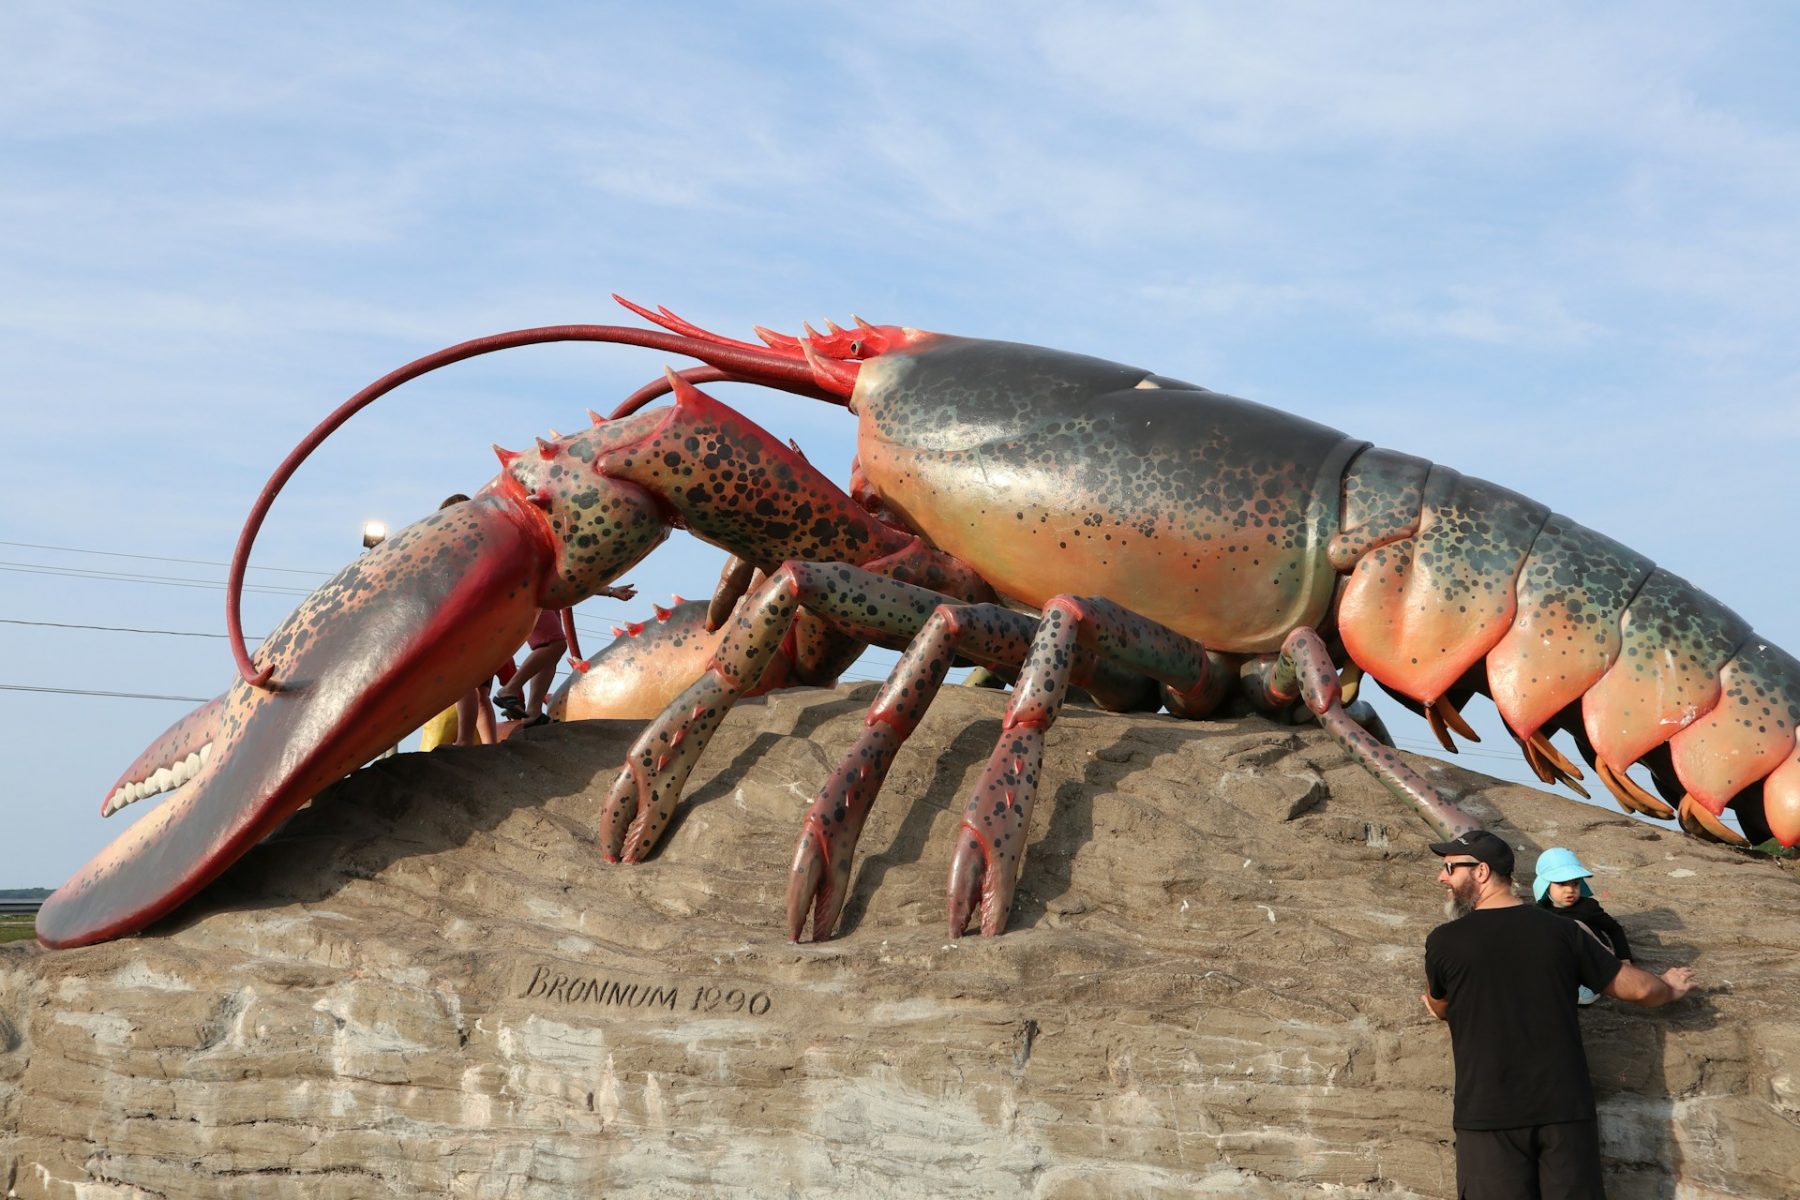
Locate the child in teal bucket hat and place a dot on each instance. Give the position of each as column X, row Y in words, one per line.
column 1561, row 886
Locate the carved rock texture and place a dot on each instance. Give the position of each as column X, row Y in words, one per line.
column 429, row 984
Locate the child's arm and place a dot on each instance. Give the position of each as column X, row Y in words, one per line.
column 1615, row 933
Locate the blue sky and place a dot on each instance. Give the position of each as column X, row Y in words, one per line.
column 1552, row 245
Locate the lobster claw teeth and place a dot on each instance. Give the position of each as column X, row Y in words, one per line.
column 175, row 757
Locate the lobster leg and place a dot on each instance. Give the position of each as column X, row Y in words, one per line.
column 990, row 634
column 985, row 868
column 873, row 606
column 1304, row 668
column 820, row 879
column 643, row 797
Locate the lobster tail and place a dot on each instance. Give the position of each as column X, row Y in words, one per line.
column 1423, row 607
column 1449, row 575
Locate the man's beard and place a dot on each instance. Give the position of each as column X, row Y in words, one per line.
column 1460, row 902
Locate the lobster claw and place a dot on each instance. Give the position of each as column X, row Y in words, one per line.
column 639, row 674
column 397, row 636
column 635, row 677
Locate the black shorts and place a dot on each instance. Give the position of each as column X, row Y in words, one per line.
column 1561, row 1161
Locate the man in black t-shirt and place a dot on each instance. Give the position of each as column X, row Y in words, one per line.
column 1504, row 976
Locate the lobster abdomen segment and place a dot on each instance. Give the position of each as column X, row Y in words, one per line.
column 1418, row 612
column 1572, row 595
column 1674, row 641
column 1748, row 733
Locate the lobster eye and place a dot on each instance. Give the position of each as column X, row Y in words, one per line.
column 856, row 349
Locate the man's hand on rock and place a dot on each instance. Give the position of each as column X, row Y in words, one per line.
column 1680, row 981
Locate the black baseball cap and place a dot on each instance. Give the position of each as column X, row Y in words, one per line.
column 1482, row 846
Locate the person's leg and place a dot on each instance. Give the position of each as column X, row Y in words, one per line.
column 541, row 658
column 1569, row 1161
column 468, row 707
column 538, row 685
column 1496, row 1164
column 486, row 730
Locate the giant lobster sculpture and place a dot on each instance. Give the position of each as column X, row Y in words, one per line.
column 1176, row 545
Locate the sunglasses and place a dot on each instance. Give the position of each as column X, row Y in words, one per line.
column 1451, row 866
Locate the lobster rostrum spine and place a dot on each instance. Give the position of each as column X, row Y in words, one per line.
column 1256, row 548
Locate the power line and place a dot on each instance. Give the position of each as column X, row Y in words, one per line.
column 197, row 562
column 249, row 637
column 160, row 580
column 22, row 687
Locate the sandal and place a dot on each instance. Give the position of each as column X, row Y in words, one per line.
column 511, row 707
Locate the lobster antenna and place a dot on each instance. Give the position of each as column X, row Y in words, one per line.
column 751, row 363
column 662, row 386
